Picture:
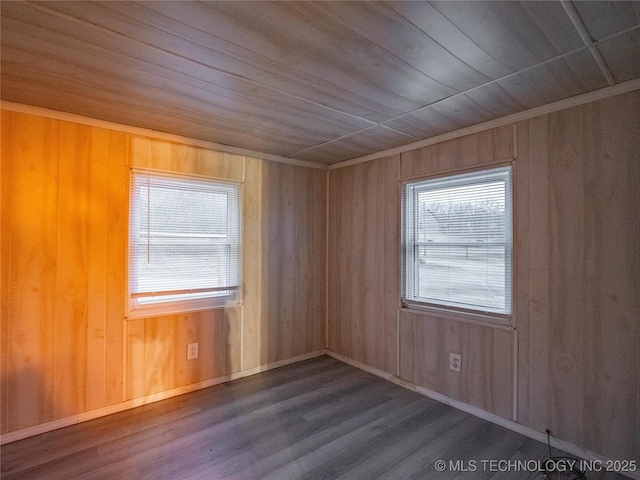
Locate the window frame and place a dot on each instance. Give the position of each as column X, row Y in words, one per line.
column 480, row 314
column 169, row 307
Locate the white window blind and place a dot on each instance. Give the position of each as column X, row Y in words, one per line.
column 184, row 243
column 457, row 241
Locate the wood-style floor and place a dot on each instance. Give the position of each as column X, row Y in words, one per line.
column 319, row 419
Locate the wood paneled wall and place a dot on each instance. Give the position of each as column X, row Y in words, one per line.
column 364, row 269
column 64, row 217
column 66, row 345
column 576, row 323
column 579, row 254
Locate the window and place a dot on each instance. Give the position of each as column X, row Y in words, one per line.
column 184, row 244
column 457, row 242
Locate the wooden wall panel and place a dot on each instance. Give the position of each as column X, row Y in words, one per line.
column 6, row 132
column 252, row 255
column 60, row 207
column 577, row 278
column 579, row 341
column 116, row 252
column 158, row 349
column 611, row 274
column 364, row 262
column 30, row 207
column 293, row 223
column 67, row 347
column 282, row 315
column 221, row 329
column 486, row 377
column 480, row 149
column 72, row 300
column 168, row 156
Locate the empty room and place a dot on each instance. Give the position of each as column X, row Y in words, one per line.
column 320, row 240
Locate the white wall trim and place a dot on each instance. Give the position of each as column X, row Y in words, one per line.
column 589, row 97
column 94, row 122
column 138, row 402
column 568, row 447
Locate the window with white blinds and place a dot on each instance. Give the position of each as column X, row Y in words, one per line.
column 457, row 242
column 184, row 243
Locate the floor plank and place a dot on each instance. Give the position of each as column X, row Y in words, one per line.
column 318, row 419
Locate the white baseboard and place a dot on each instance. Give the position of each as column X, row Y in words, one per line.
column 137, row 402
column 568, row 447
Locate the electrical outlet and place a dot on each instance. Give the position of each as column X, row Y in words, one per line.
column 454, row 362
column 192, row 351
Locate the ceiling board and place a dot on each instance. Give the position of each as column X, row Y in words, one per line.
column 618, row 50
column 608, row 18
column 316, row 49
column 359, row 144
column 516, row 34
column 319, row 81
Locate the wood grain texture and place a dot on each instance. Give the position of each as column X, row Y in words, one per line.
column 6, row 131
column 486, row 377
column 67, row 209
column 117, row 221
column 576, row 277
column 364, row 262
column 293, row 223
column 175, row 157
column 158, row 349
column 64, row 253
column 579, row 342
column 283, row 274
column 32, row 171
column 323, row 81
column 477, row 150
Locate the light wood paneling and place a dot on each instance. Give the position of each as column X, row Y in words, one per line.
column 484, row 148
column 64, row 354
column 6, row 132
column 579, row 341
column 117, row 228
column 283, row 273
column 364, row 262
column 30, row 203
column 293, row 239
column 577, row 277
column 180, row 158
column 64, row 254
column 158, row 349
column 252, row 255
column 486, row 377
column 72, row 357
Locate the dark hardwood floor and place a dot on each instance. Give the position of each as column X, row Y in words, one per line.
column 319, row 419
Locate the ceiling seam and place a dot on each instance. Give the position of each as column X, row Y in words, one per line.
column 579, row 25
column 456, row 95
column 177, row 55
column 442, row 46
column 590, row 44
column 593, row 96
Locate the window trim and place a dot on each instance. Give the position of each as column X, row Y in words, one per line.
column 172, row 307
column 479, row 316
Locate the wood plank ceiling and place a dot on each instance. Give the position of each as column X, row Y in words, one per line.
column 316, row 81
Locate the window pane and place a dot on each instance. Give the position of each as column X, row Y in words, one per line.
column 185, row 235
column 463, row 276
column 457, row 240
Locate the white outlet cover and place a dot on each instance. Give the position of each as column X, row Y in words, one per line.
column 454, row 362
column 192, row 351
